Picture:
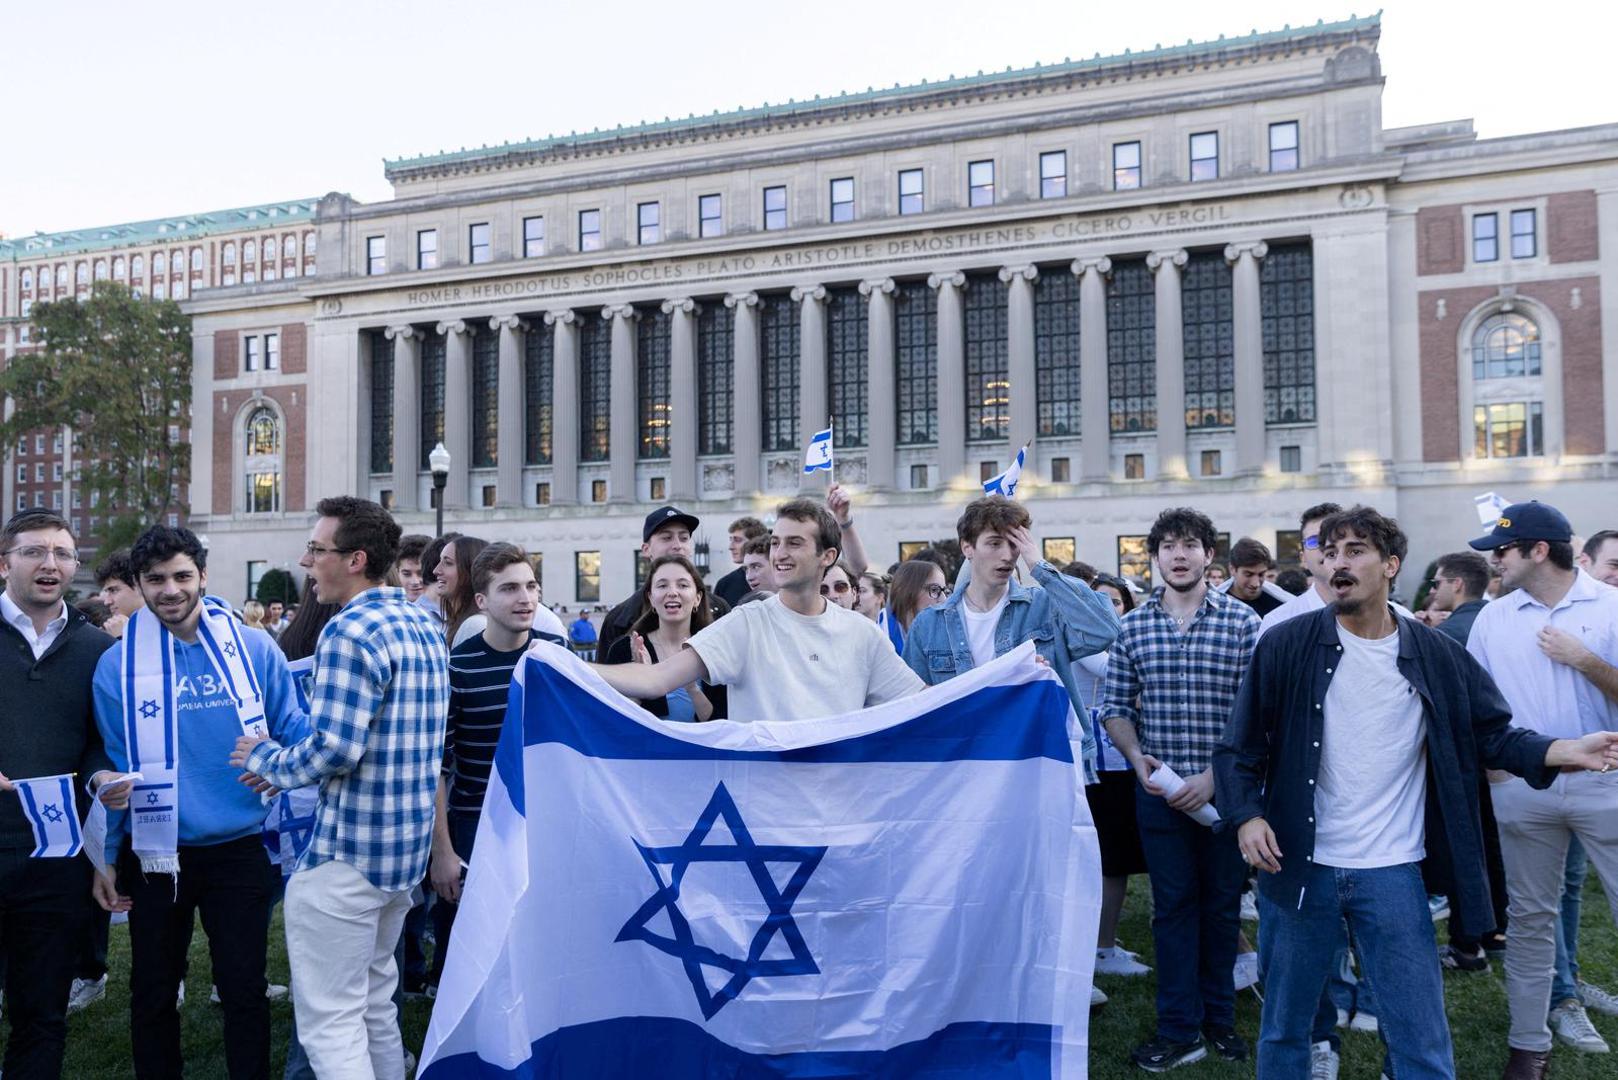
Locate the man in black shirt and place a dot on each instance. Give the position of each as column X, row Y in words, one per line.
column 1459, row 583
column 1249, row 563
column 733, row 586
column 667, row 531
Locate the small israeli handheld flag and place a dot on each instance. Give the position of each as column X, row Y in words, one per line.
column 1006, row 483
column 819, row 455
column 1490, row 506
column 47, row 802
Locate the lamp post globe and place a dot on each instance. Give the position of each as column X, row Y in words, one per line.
column 439, row 461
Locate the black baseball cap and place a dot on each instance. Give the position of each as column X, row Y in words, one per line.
column 1526, row 521
column 665, row 515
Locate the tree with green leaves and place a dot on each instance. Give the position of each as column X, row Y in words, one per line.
column 116, row 371
column 277, row 585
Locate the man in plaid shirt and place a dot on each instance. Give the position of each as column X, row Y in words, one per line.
column 1171, row 681
column 381, row 692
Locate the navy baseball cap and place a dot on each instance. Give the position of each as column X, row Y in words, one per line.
column 665, row 515
column 1526, row 521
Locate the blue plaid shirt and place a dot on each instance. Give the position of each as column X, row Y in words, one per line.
column 1178, row 689
column 376, row 741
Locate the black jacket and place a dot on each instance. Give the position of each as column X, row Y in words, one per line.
column 47, row 716
column 1459, row 623
column 618, row 621
column 1267, row 761
column 732, row 587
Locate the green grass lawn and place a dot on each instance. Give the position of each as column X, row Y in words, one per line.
column 98, row 1038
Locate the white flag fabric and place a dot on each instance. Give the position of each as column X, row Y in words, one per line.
column 1489, row 506
column 1006, row 483
column 908, row 889
column 818, row 456
column 47, row 802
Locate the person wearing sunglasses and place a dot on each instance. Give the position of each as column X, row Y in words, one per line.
column 838, row 585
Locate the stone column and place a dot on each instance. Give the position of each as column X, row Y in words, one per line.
column 747, row 435
column 457, row 411
column 813, row 409
column 1249, row 343
column 509, row 432
column 1020, row 353
column 881, row 419
column 564, row 408
column 951, row 375
column 682, row 400
column 1095, row 423
column 623, row 431
column 1171, row 463
column 406, row 415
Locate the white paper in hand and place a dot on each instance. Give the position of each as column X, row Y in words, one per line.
column 95, row 825
column 1170, row 781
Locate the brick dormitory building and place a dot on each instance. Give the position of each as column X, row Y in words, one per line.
column 1203, row 275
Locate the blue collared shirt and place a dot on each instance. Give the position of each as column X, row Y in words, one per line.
column 376, row 741
column 1064, row 618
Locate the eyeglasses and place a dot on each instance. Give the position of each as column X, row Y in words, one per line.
column 316, row 551
column 937, row 591
column 36, row 553
column 838, row 587
column 1312, row 543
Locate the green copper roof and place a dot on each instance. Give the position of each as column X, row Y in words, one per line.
column 158, row 230
column 1154, row 55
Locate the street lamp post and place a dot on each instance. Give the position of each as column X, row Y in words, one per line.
column 438, row 461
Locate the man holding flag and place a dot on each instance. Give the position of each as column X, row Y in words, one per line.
column 48, row 747
column 171, row 700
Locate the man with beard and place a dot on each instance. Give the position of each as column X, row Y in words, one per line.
column 1171, row 678
column 171, row 700
column 1352, row 755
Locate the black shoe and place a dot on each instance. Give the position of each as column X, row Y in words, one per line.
column 1494, row 942
column 1161, row 1055
column 415, row 987
column 1455, row 959
column 1226, row 1043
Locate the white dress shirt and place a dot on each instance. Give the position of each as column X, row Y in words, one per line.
column 25, row 625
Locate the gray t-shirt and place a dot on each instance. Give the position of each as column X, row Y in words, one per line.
column 779, row 665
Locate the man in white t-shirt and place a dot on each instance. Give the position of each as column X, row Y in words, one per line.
column 792, row 657
column 1318, row 594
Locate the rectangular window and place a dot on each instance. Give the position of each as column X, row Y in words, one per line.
column 376, row 255
column 775, row 208
column 533, row 237
column 1056, row 354
column 918, row 478
column 778, row 361
column 542, row 493
column 430, row 418
column 1210, row 463
column 480, row 243
column 1058, row 550
column 1131, row 348
column 980, row 183
column 842, row 199
column 987, row 471
column 1126, row 172
column 652, row 381
column 488, row 496
column 912, row 191
column 710, row 215
column 589, row 230
column 587, row 577
column 1289, row 549
column 1134, row 466
column 539, row 375
column 1509, row 430
column 598, row 491
column 909, row 549
column 1061, row 470
column 1287, row 333
column 1284, row 146
column 715, row 389
column 915, row 318
column 658, row 489
column 1205, row 155
column 381, row 402
column 1053, row 174
column 648, row 223
column 251, row 353
column 272, row 352
column 427, row 249
column 988, row 379
column 1134, row 561
column 1485, row 237
column 595, row 390
column 485, row 396
column 1291, row 459
column 1524, row 242
column 1209, row 328
column 847, row 346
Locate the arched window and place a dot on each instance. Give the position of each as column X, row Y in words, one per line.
column 137, row 266
column 118, row 267
column 101, row 270
column 81, row 274
column 160, row 263
column 196, row 259
column 308, row 244
column 227, row 254
column 289, row 246
column 61, row 275
column 28, row 279
column 250, row 251
column 261, row 462
column 1505, row 346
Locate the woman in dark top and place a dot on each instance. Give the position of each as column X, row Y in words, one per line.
column 677, row 606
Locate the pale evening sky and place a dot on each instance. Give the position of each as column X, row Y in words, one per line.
column 121, row 112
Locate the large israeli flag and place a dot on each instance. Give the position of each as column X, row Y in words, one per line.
column 909, row 890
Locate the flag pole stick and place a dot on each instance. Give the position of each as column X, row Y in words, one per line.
column 831, row 450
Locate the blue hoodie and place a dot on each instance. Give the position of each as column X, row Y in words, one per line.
column 214, row 806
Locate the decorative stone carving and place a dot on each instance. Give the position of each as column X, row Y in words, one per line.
column 1356, row 197
column 718, row 477
column 813, row 292
column 1256, row 248
column 1027, row 273
column 1177, row 257
column 566, row 317
column 781, row 474
column 851, row 470
column 946, row 277
column 883, row 285
column 1098, row 263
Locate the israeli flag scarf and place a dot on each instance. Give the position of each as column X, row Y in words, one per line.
column 151, row 728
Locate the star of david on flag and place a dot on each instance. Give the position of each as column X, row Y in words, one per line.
column 1006, row 483
column 908, row 889
column 47, row 803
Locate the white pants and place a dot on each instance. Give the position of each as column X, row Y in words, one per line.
column 341, row 935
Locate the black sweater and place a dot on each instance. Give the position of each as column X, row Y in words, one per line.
column 47, row 718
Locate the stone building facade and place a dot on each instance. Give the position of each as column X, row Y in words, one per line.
column 1204, row 275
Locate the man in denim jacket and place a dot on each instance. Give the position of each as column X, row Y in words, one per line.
column 994, row 614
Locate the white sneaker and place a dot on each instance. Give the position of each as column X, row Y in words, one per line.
column 1342, row 1018
column 213, row 995
column 1097, row 998
column 1602, row 1001
column 1363, row 1022
column 274, row 992
column 179, row 999
column 86, row 992
column 1246, row 971
column 1116, row 961
column 1572, row 1025
column 1438, row 907
column 1323, row 1062
column 1249, row 906
column 410, row 1062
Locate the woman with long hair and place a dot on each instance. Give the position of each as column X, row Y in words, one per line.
column 253, row 614
column 298, row 639
column 455, row 594
column 677, row 606
column 918, row 584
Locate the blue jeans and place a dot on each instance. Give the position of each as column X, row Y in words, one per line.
column 1197, row 878
column 1388, row 919
column 1349, row 991
column 1565, row 984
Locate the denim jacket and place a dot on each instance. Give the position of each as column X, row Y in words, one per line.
column 1065, row 619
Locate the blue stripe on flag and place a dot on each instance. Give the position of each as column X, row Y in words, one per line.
column 676, row 1049
column 996, row 723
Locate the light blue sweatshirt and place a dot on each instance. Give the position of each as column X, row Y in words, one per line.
column 214, row 806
